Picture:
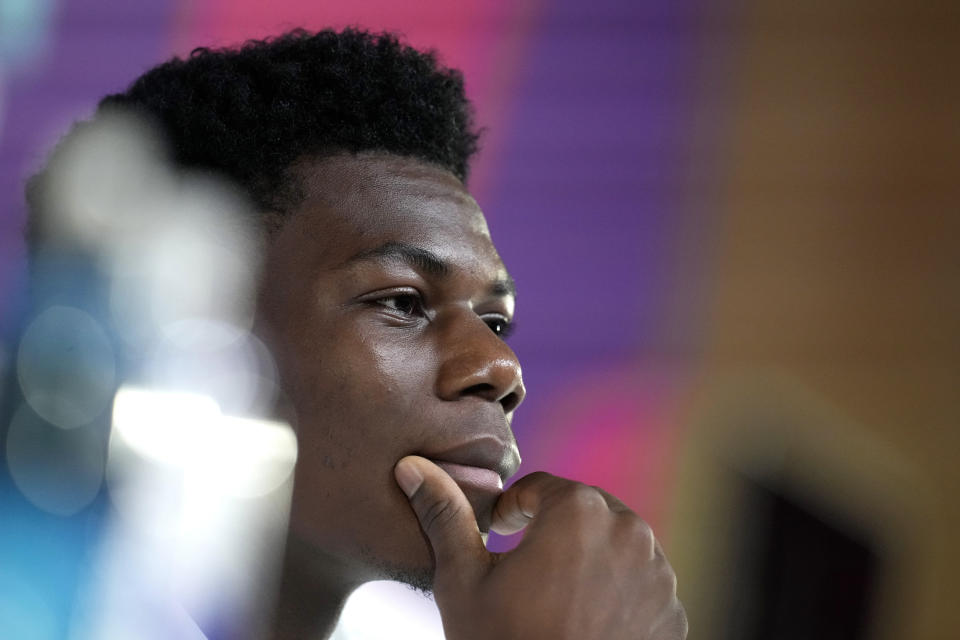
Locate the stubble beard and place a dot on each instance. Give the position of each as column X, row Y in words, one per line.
column 417, row 578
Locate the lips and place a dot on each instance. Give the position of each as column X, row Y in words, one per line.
column 479, row 468
column 464, row 475
column 486, row 452
column 482, row 487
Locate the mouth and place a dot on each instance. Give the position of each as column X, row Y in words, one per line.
column 466, row 475
column 479, row 468
column 480, row 485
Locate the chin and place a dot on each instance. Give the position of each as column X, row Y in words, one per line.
column 401, row 553
column 370, row 539
column 413, row 566
column 419, row 578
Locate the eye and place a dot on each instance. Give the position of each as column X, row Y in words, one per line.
column 409, row 304
column 500, row 326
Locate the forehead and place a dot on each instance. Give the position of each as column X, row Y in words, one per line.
column 357, row 202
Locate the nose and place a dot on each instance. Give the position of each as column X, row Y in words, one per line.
column 478, row 363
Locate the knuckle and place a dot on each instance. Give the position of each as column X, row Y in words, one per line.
column 640, row 530
column 639, row 535
column 667, row 580
column 583, row 498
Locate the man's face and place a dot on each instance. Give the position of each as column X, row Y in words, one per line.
column 382, row 301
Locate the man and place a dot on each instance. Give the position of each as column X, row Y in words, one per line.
column 386, row 306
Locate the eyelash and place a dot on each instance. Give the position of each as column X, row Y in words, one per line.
column 500, row 326
column 506, row 328
column 417, row 303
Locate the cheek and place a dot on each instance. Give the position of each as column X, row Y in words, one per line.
column 362, row 395
column 362, row 410
column 362, row 398
column 404, row 367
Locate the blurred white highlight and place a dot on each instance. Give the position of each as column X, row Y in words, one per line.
column 66, row 367
column 162, row 426
column 193, row 258
column 108, row 182
column 216, row 359
column 388, row 610
column 175, row 246
column 238, row 457
column 202, row 504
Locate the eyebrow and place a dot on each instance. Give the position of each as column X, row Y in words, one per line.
column 427, row 261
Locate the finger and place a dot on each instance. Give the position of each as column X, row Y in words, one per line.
column 530, row 495
column 613, row 502
column 519, row 505
column 445, row 516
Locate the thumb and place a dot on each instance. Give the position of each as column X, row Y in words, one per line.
column 445, row 516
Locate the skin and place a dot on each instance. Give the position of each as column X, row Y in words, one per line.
column 383, row 298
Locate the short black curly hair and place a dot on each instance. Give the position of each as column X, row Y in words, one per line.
column 251, row 113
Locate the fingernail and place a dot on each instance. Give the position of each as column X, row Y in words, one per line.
column 408, row 477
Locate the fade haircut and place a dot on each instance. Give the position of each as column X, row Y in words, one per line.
column 251, row 113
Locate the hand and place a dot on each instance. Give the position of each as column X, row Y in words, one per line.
column 587, row 566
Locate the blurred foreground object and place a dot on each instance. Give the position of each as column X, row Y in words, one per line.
column 143, row 276
column 201, row 505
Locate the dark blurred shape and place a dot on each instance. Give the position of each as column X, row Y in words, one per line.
column 798, row 573
column 829, row 367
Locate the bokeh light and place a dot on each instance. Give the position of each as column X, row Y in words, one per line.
column 58, row 470
column 202, row 501
column 242, row 457
column 66, row 367
column 217, row 359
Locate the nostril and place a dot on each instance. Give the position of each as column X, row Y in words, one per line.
column 510, row 402
column 491, row 393
column 482, row 389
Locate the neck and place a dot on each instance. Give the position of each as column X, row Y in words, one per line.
column 313, row 589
